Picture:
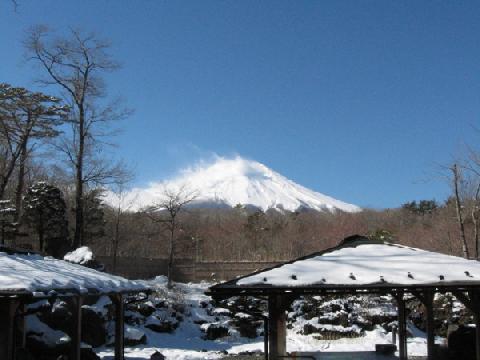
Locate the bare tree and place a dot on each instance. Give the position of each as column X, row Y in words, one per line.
column 122, row 204
column 75, row 64
column 456, row 179
column 165, row 212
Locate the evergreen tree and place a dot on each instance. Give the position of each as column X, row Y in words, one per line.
column 25, row 117
column 44, row 211
column 94, row 215
column 8, row 225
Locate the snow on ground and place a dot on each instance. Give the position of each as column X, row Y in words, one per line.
column 187, row 341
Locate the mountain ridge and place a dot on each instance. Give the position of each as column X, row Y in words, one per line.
column 228, row 182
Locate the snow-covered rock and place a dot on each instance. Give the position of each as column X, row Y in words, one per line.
column 134, row 336
column 82, row 255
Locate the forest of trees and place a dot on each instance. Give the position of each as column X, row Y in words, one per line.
column 53, row 172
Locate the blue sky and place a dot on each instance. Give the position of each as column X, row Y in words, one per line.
column 356, row 99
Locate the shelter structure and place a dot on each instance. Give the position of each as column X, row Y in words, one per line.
column 359, row 265
column 27, row 278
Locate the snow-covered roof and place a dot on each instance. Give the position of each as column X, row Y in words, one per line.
column 359, row 262
column 36, row 274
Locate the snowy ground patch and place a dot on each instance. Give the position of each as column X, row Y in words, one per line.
column 197, row 313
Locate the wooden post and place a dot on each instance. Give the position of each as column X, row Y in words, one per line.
column 117, row 299
column 428, row 303
column 13, row 305
column 426, row 298
column 475, row 308
column 20, row 327
column 77, row 303
column 472, row 302
column 402, row 327
column 265, row 336
column 277, row 318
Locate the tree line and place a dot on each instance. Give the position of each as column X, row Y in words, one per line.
column 51, row 169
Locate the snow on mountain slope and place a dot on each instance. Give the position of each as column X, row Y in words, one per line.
column 229, row 182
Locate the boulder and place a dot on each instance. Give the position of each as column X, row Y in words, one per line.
column 214, row 332
column 87, row 353
column 94, row 331
column 461, row 343
column 157, row 356
column 162, row 327
column 134, row 336
column 59, row 317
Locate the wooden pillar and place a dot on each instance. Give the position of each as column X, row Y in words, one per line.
column 472, row 302
column 265, row 337
column 428, row 303
column 402, row 327
column 8, row 310
column 426, row 298
column 117, row 299
column 21, row 326
column 475, row 308
column 277, row 325
column 77, row 303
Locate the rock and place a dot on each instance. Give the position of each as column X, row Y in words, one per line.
column 59, row 317
column 163, row 327
column 43, row 341
column 134, row 336
column 143, row 308
column 39, row 348
column 247, row 328
column 87, row 353
column 215, row 332
column 386, row 349
column 461, row 343
column 94, row 331
column 157, row 356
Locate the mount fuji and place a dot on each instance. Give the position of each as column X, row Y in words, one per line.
column 230, row 182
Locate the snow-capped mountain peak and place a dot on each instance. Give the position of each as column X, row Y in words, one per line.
column 233, row 181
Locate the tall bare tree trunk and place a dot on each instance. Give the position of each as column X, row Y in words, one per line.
column 170, row 254
column 116, row 239
column 458, row 205
column 475, row 213
column 79, row 223
column 20, row 182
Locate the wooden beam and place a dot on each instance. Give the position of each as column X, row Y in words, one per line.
column 117, row 299
column 277, row 324
column 402, row 327
column 75, row 351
